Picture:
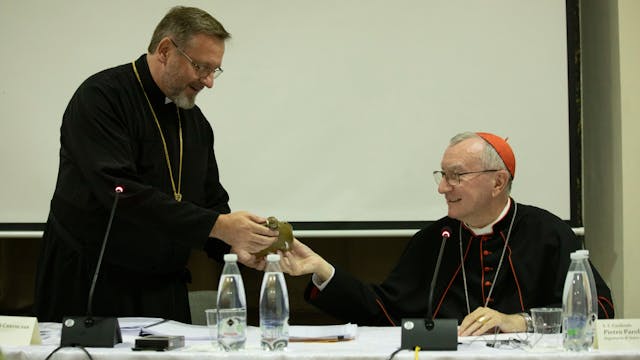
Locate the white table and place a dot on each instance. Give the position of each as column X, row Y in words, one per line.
column 371, row 343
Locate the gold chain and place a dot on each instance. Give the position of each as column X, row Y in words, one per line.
column 176, row 192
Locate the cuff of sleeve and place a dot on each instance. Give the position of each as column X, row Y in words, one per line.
column 316, row 281
column 216, row 248
column 528, row 321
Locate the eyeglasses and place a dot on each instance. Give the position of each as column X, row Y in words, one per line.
column 202, row 71
column 453, row 179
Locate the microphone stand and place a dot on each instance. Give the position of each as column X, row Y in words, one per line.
column 90, row 331
column 428, row 333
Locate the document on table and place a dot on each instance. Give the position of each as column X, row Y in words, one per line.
column 296, row 332
column 323, row 333
column 500, row 338
column 131, row 326
column 136, row 323
column 171, row 327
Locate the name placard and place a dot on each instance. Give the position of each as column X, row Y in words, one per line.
column 617, row 334
column 19, row 330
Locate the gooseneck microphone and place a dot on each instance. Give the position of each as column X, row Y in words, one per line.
column 118, row 190
column 90, row 331
column 445, row 234
column 428, row 333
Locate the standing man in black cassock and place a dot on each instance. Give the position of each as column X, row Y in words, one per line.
column 137, row 126
column 502, row 259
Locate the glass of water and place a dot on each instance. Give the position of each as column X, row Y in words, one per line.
column 547, row 329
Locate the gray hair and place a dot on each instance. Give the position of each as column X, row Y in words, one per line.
column 489, row 157
column 181, row 23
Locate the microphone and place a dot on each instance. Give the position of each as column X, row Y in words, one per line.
column 427, row 333
column 90, row 331
column 445, row 234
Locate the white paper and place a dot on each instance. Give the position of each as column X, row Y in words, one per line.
column 326, row 332
column 129, row 323
column 171, row 327
column 296, row 333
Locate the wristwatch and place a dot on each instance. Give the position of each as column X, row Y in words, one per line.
column 528, row 321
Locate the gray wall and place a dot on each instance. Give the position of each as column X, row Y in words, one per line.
column 611, row 84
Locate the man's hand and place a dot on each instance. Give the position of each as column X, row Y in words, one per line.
column 250, row 260
column 484, row 320
column 301, row 260
column 245, row 233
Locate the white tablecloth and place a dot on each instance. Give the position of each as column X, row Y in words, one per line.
column 370, row 343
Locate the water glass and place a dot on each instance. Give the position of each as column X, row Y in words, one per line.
column 547, row 329
column 212, row 321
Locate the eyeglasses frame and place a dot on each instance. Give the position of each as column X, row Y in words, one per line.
column 443, row 175
column 202, row 71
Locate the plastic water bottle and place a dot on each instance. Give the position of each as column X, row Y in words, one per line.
column 576, row 304
column 274, row 307
column 593, row 310
column 592, row 281
column 232, row 306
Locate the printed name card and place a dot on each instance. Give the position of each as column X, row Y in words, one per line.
column 19, row 330
column 618, row 334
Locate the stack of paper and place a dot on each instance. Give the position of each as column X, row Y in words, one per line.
column 323, row 333
column 171, row 327
column 132, row 325
column 296, row 333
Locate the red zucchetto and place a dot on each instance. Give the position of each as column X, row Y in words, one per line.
column 503, row 149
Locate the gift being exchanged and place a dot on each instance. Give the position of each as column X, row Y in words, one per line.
column 285, row 236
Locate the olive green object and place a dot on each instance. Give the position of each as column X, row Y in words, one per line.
column 285, row 236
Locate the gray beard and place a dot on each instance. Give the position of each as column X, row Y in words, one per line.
column 177, row 94
column 183, row 102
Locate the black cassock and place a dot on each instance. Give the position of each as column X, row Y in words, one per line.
column 532, row 273
column 109, row 137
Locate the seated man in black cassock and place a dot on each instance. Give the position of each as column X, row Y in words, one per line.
column 502, row 259
column 136, row 126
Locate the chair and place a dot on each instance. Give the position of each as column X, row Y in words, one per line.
column 199, row 301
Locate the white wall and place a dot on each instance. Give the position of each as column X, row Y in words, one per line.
column 327, row 110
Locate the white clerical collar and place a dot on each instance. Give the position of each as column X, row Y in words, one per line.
column 488, row 229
